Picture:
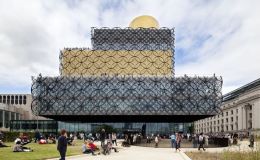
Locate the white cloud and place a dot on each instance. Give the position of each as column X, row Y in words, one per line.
column 219, row 37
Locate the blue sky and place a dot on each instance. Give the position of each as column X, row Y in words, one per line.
column 220, row 37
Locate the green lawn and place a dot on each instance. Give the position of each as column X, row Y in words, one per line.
column 40, row 151
column 253, row 155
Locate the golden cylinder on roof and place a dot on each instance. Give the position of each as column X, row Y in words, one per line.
column 144, row 21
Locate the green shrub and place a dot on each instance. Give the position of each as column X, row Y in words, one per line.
column 11, row 136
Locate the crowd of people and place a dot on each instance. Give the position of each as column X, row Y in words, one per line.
column 109, row 141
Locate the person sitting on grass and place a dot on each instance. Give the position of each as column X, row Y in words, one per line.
column 19, row 146
column 51, row 139
column 70, row 141
column 2, row 144
column 86, row 148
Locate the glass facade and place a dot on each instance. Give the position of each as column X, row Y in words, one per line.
column 1, row 119
column 44, row 126
column 49, row 126
column 6, row 117
column 151, row 128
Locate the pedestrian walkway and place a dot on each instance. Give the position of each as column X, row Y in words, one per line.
column 136, row 153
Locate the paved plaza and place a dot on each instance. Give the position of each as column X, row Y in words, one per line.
column 150, row 153
column 136, row 153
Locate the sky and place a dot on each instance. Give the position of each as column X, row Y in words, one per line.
column 212, row 36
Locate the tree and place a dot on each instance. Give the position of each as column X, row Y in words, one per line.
column 108, row 129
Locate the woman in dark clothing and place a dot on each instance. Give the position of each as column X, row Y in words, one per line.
column 102, row 137
column 62, row 144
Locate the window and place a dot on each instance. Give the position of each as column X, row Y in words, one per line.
column 232, row 120
column 4, row 99
column 250, row 115
column 227, row 120
column 222, row 121
column 1, row 118
column 12, row 116
column 231, row 112
column 16, row 99
column 7, row 119
column 8, row 99
column 17, row 116
column 227, row 128
column 237, row 118
column 231, row 127
column 237, row 111
column 218, row 121
column 24, row 99
column 226, row 113
column 12, row 99
column 20, row 99
column 1, row 99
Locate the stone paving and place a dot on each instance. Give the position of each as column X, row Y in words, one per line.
column 135, row 153
column 149, row 153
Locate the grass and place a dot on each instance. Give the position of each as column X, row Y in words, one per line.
column 226, row 155
column 40, row 152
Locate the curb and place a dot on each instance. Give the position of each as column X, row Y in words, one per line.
column 184, row 156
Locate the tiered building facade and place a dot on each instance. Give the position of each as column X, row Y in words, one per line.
column 127, row 77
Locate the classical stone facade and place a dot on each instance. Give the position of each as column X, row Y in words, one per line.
column 240, row 112
column 15, row 107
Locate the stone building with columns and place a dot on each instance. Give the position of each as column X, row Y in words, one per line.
column 15, row 107
column 240, row 112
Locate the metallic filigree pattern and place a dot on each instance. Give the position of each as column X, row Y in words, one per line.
column 128, row 72
column 84, row 62
column 132, row 39
column 126, row 95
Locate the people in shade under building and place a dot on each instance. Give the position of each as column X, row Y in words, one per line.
column 102, row 137
column 173, row 139
column 62, row 144
column 201, row 142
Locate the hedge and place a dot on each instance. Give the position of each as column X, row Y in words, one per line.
column 11, row 136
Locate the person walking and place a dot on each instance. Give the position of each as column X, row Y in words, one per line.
column 201, row 142
column 103, row 137
column 156, row 140
column 114, row 138
column 173, row 140
column 206, row 137
column 62, row 144
column 194, row 140
column 178, row 142
column 251, row 141
column 37, row 136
